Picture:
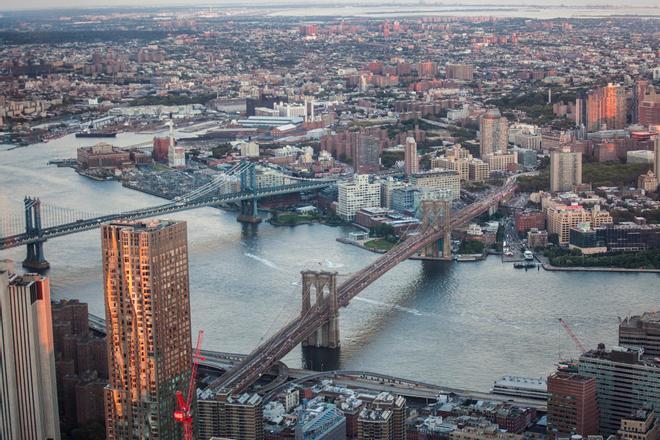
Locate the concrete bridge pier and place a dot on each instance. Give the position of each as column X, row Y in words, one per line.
column 249, row 212
column 35, row 260
column 324, row 285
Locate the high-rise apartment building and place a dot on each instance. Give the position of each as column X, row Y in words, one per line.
column 384, row 418
column 625, row 382
column 81, row 364
column 581, row 109
column 649, row 107
column 493, row 133
column 356, row 195
column 572, row 406
column 28, row 391
column 367, row 155
column 236, row 418
column 147, row 304
column 641, row 331
column 565, row 170
column 411, row 162
column 501, row 162
column 562, row 218
column 438, row 180
column 606, row 108
column 463, row 72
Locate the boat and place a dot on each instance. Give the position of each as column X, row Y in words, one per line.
column 96, row 134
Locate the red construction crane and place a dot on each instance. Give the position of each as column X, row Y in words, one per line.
column 575, row 339
column 183, row 413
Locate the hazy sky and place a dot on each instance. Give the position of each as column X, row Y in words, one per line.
column 48, row 4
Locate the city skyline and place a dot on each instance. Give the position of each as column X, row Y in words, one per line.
column 389, row 220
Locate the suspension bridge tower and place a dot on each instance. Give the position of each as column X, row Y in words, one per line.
column 324, row 286
column 249, row 209
column 35, row 259
column 437, row 214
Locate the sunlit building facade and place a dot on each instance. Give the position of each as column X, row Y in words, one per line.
column 145, row 274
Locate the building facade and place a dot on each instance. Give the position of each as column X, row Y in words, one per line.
column 28, row 390
column 411, row 161
column 562, row 218
column 641, row 331
column 625, row 382
column 493, row 133
column 606, row 108
column 565, row 170
column 147, row 304
column 572, row 405
column 438, row 180
column 359, row 193
column 367, row 155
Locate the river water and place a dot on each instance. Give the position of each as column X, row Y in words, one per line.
column 455, row 324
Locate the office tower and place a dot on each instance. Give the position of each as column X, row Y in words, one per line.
column 493, row 133
column 147, row 308
column 225, row 416
column 572, row 406
column 81, row 364
column 352, row 196
column 641, row 331
column 410, row 158
column 640, row 425
column 565, row 170
column 625, row 382
column 606, row 108
column 28, row 392
column 367, row 155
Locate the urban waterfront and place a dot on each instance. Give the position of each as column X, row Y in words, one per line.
column 456, row 324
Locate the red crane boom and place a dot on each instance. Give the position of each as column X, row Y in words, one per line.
column 183, row 412
column 575, row 339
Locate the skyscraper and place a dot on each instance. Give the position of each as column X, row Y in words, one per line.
column 565, row 170
column 147, row 306
column 28, row 391
column 606, row 108
column 493, row 133
column 410, row 158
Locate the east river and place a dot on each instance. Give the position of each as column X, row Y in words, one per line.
column 455, row 324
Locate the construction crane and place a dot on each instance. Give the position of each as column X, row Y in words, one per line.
column 183, row 412
column 575, row 339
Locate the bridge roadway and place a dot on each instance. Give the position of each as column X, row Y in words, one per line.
column 167, row 208
column 296, row 331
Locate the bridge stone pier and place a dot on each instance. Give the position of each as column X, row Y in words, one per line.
column 437, row 213
column 35, row 259
column 322, row 286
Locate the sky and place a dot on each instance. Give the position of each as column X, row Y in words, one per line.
column 6, row 5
